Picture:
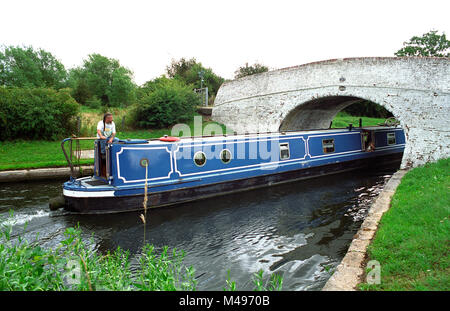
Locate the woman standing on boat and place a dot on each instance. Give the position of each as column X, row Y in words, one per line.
column 106, row 131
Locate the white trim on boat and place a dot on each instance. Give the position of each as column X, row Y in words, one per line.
column 88, row 194
column 142, row 148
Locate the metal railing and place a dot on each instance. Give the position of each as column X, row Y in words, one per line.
column 69, row 157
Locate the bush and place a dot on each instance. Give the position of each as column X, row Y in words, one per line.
column 94, row 102
column 169, row 103
column 39, row 113
column 73, row 265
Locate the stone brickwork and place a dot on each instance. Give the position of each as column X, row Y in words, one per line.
column 416, row 90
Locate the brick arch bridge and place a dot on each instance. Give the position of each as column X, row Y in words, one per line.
column 416, row 90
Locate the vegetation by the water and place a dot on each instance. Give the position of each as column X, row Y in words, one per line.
column 74, row 265
column 412, row 243
column 36, row 113
column 168, row 103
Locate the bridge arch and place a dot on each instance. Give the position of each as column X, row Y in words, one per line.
column 317, row 113
column 416, row 90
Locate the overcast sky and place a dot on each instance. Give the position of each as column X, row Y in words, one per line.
column 223, row 35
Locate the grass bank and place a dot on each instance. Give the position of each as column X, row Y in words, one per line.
column 23, row 154
column 412, row 243
column 343, row 119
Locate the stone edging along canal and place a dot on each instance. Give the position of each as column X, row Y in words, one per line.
column 350, row 271
column 42, row 173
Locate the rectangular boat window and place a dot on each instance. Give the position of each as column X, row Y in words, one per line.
column 328, row 145
column 391, row 138
column 284, row 151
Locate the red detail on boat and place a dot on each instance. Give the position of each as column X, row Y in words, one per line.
column 169, row 138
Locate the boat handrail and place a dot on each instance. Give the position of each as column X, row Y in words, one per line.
column 69, row 159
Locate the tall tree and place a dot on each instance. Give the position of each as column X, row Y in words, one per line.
column 429, row 44
column 247, row 70
column 180, row 67
column 26, row 67
column 103, row 78
column 189, row 71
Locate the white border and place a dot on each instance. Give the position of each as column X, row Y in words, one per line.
column 88, row 194
column 173, row 158
column 139, row 180
column 245, row 166
column 333, row 153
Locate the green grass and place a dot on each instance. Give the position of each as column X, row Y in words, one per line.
column 412, row 243
column 343, row 119
column 22, row 154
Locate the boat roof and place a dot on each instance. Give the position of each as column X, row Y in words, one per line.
column 190, row 139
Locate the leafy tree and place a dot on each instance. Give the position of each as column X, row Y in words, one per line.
column 150, row 86
column 180, row 67
column 188, row 72
column 250, row 70
column 26, row 67
column 104, row 78
column 171, row 101
column 36, row 113
column 430, row 44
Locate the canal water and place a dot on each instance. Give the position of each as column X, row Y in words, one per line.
column 301, row 230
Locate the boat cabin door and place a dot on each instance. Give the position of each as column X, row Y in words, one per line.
column 368, row 140
column 101, row 161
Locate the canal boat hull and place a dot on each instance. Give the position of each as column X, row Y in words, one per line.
column 134, row 202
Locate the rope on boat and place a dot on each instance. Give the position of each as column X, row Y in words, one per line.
column 144, row 204
column 78, row 155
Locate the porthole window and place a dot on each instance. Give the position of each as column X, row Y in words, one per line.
column 328, row 145
column 391, row 138
column 284, row 151
column 225, row 156
column 200, row 158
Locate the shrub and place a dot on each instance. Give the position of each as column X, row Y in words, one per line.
column 169, row 103
column 73, row 265
column 94, row 102
column 39, row 113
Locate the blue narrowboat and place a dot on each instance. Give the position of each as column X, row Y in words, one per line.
column 178, row 170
